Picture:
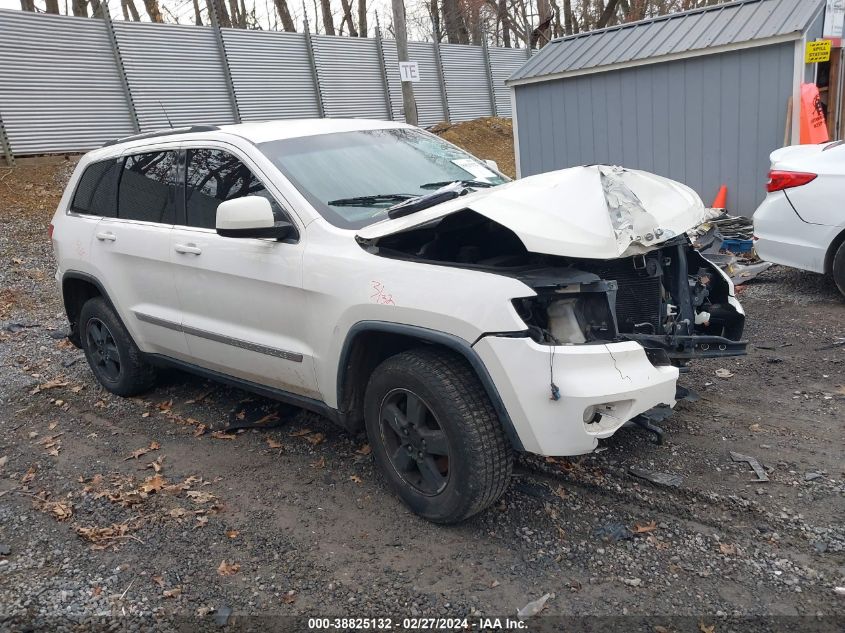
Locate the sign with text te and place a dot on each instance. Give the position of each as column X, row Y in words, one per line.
column 409, row 71
column 816, row 52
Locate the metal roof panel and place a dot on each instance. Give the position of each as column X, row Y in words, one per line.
column 737, row 22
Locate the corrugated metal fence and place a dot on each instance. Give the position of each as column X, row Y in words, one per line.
column 69, row 84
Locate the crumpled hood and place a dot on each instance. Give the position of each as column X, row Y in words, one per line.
column 597, row 211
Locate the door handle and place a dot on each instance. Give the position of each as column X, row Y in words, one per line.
column 188, row 249
column 106, row 236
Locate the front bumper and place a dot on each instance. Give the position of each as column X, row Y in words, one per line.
column 616, row 378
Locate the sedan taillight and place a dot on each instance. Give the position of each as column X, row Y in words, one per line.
column 779, row 180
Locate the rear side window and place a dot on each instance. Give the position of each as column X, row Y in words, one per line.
column 214, row 176
column 148, row 188
column 95, row 193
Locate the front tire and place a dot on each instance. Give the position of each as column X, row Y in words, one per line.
column 435, row 435
column 838, row 268
column 114, row 358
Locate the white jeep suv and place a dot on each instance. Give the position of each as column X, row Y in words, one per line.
column 378, row 275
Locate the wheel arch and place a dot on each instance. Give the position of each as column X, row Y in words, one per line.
column 77, row 288
column 368, row 343
column 831, row 251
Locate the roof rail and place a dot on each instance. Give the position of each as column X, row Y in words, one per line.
column 157, row 133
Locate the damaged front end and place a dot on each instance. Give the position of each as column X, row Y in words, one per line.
column 605, row 250
column 672, row 301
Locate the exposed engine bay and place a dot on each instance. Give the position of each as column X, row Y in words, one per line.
column 669, row 299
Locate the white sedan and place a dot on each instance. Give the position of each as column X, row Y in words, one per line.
column 801, row 223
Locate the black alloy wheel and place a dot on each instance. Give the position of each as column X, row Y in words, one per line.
column 417, row 446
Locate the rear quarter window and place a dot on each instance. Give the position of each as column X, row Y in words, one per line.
column 96, row 192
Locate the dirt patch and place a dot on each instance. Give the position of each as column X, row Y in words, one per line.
column 490, row 138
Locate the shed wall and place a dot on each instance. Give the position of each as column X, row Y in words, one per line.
column 702, row 121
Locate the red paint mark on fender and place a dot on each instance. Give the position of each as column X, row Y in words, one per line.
column 380, row 294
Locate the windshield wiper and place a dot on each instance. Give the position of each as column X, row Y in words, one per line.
column 466, row 183
column 418, row 203
column 370, row 201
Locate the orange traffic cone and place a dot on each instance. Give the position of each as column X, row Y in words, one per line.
column 721, row 199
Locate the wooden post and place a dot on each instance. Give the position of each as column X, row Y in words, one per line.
column 410, row 106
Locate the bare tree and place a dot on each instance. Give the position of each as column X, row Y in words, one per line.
column 130, row 11
column 52, row 6
column 27, row 5
column 362, row 18
column 80, row 8
column 219, row 8
column 197, row 14
column 153, row 10
column 347, row 18
column 328, row 20
column 284, row 14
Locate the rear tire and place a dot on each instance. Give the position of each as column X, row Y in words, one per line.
column 115, row 360
column 435, row 435
column 838, row 268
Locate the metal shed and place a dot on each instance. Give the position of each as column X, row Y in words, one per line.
column 699, row 96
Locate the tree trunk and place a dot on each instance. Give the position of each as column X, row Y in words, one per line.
column 475, row 24
column 607, row 14
column 362, row 18
column 451, row 20
column 284, row 14
column 96, row 9
column 28, row 5
column 80, row 8
column 219, row 7
column 347, row 17
column 243, row 14
column 52, row 6
column 544, row 30
column 502, row 14
column 567, row 17
column 197, row 14
column 153, row 10
column 328, row 23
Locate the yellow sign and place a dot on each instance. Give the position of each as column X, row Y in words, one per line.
column 816, row 52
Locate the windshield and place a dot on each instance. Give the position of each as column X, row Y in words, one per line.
column 352, row 178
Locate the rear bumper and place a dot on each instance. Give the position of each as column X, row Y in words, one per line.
column 617, row 379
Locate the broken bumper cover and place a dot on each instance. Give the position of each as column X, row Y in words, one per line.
column 680, row 348
column 601, row 387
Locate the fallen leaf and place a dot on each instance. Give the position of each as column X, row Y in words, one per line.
column 197, row 496
column 561, row 492
column 661, row 629
column 201, row 429
column 145, row 414
column 172, row 593
column 232, row 533
column 228, row 569
column 153, row 484
column 356, row 479
column 300, row 432
column 706, row 629
column 3, row 460
column 29, row 476
column 96, row 591
column 62, row 511
column 165, row 406
column 320, row 463
column 159, row 580
column 289, row 597
column 156, row 465
column 270, row 417
column 316, row 438
column 52, row 425
column 648, row 527
column 273, row 443
column 755, row 428
column 494, row 584
column 222, row 435
column 727, row 549
column 33, row 435
column 364, row 450
column 724, row 373
column 178, row 513
column 202, row 521
column 50, row 384
column 154, row 446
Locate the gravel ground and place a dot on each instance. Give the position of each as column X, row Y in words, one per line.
column 146, row 508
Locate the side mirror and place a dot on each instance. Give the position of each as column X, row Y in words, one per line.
column 250, row 216
column 492, row 164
